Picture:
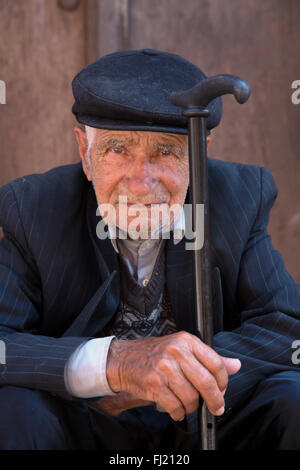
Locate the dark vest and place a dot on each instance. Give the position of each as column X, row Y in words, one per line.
column 143, row 311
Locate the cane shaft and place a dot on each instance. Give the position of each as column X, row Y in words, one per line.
column 202, row 267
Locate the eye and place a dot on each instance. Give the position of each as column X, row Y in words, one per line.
column 117, row 150
column 165, row 152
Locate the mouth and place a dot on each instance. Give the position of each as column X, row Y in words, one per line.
column 143, row 204
column 140, row 204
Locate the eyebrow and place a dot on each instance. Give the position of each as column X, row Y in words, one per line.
column 177, row 149
column 114, row 142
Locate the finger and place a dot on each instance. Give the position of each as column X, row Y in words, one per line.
column 171, row 404
column 232, row 365
column 212, row 361
column 184, row 390
column 206, row 384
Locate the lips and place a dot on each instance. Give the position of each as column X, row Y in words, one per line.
column 141, row 204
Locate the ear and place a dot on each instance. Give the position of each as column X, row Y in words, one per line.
column 208, row 140
column 83, row 147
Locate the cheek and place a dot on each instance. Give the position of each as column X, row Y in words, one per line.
column 176, row 179
column 105, row 179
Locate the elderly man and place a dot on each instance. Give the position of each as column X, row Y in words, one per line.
column 99, row 332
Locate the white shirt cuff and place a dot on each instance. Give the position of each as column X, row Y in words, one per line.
column 85, row 371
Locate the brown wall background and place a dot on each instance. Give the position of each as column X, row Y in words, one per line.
column 43, row 46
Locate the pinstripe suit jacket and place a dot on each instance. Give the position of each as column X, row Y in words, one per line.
column 59, row 284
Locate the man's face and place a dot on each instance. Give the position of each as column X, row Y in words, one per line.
column 149, row 168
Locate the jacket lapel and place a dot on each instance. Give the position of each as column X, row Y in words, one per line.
column 103, row 304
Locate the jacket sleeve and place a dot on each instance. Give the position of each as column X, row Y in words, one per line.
column 30, row 360
column 269, row 306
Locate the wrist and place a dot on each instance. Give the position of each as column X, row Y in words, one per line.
column 113, row 366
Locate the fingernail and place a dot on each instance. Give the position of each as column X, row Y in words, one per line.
column 220, row 411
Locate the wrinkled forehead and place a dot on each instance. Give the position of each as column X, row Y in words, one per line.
column 139, row 137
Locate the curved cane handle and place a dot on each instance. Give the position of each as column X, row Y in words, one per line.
column 209, row 89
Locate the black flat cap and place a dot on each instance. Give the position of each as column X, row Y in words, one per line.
column 130, row 90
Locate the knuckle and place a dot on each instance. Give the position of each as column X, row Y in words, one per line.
column 178, row 344
column 173, row 348
column 218, row 404
column 217, row 362
column 184, row 336
column 163, row 365
column 152, row 380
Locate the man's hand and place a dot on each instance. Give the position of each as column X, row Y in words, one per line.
column 114, row 405
column 172, row 371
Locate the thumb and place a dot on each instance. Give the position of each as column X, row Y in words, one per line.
column 232, row 365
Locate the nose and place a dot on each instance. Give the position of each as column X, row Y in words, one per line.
column 141, row 179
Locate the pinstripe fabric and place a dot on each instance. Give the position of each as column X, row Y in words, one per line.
column 59, row 284
column 260, row 299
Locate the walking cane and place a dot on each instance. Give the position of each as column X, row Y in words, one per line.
column 194, row 103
